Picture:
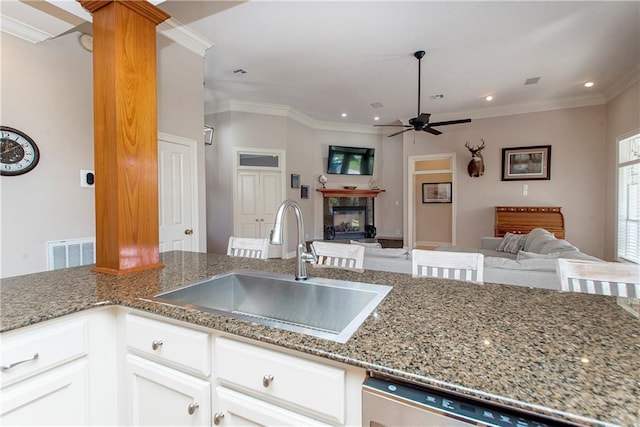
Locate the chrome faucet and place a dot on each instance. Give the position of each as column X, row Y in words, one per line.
column 277, row 237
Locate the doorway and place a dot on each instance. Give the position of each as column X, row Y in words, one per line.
column 431, row 205
column 177, row 193
column 258, row 192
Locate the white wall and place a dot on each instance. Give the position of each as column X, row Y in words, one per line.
column 47, row 93
column 577, row 182
column 623, row 118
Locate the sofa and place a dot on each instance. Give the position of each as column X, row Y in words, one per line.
column 515, row 259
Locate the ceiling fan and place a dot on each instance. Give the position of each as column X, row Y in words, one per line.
column 421, row 122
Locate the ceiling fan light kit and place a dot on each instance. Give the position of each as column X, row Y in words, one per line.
column 421, row 121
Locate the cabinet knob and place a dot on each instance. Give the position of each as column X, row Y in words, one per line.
column 156, row 344
column 217, row 418
column 192, row 408
column 267, row 380
column 257, row 220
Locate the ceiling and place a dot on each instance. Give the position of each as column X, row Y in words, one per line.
column 325, row 58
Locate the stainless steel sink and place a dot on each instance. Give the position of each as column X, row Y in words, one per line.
column 325, row 308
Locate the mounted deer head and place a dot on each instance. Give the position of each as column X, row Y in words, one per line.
column 476, row 165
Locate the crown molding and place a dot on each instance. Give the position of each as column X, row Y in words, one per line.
column 511, row 110
column 21, row 30
column 623, row 84
column 185, row 36
column 289, row 112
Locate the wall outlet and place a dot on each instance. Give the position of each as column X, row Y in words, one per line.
column 87, row 178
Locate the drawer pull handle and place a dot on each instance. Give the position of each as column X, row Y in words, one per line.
column 11, row 365
column 192, row 408
column 267, row 380
column 217, row 418
column 156, row 344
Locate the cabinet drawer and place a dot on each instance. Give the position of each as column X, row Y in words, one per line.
column 170, row 343
column 298, row 383
column 31, row 351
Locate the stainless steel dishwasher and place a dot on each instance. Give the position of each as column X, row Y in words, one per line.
column 390, row 403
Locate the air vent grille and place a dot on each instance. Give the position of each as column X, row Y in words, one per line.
column 532, row 81
column 71, row 253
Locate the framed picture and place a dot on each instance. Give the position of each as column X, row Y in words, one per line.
column 295, row 181
column 436, row 192
column 526, row 163
column 304, row 191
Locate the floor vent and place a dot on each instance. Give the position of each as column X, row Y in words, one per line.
column 71, row 253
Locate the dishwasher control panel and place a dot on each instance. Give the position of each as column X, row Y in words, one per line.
column 462, row 410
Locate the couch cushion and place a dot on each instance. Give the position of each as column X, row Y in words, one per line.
column 512, row 243
column 536, row 239
column 365, row 244
column 557, row 245
column 539, row 264
column 522, row 255
column 386, row 252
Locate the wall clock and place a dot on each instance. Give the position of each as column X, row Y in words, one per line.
column 18, row 152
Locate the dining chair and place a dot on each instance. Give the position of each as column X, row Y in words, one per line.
column 467, row 266
column 248, row 247
column 599, row 277
column 338, row 255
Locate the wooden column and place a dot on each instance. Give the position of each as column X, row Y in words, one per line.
column 125, row 134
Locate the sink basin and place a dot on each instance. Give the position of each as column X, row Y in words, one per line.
column 324, row 308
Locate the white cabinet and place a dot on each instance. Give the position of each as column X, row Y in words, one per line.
column 267, row 386
column 58, row 398
column 49, row 372
column 166, row 373
column 163, row 396
column 238, row 409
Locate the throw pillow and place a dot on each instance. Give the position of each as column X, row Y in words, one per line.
column 536, row 238
column 557, row 245
column 512, row 243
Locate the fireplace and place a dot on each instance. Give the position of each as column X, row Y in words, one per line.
column 349, row 222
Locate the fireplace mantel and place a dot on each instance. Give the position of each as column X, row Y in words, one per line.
column 343, row 192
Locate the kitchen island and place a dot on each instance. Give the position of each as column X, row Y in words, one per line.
column 572, row 356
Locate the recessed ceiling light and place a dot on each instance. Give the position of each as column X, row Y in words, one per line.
column 344, row 114
column 489, row 97
column 376, row 118
column 589, row 84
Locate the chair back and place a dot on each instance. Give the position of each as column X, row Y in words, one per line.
column 467, row 266
column 338, row 255
column 248, row 247
column 603, row 278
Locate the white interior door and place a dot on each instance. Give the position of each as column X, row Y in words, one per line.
column 176, row 182
column 258, row 195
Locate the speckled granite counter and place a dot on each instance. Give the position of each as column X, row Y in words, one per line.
column 573, row 356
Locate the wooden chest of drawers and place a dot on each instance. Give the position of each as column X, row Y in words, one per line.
column 523, row 219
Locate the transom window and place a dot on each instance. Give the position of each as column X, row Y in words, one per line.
column 628, row 246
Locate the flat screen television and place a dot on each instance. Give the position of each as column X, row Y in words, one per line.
column 350, row 160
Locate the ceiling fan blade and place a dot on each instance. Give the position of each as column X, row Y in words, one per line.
column 432, row 131
column 398, row 133
column 406, row 126
column 450, row 122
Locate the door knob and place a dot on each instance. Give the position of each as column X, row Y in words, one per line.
column 188, row 231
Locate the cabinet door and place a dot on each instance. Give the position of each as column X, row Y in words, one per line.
column 237, row 409
column 163, row 396
column 58, row 397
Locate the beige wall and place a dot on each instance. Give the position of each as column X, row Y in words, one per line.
column 623, row 119
column 47, row 93
column 433, row 223
column 577, row 182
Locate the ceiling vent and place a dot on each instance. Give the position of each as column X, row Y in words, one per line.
column 435, row 97
column 532, row 81
column 376, row 105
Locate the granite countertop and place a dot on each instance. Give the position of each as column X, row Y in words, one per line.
column 569, row 355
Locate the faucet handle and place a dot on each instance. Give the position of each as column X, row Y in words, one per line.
column 308, row 257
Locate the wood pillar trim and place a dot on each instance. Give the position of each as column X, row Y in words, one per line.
column 125, row 135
